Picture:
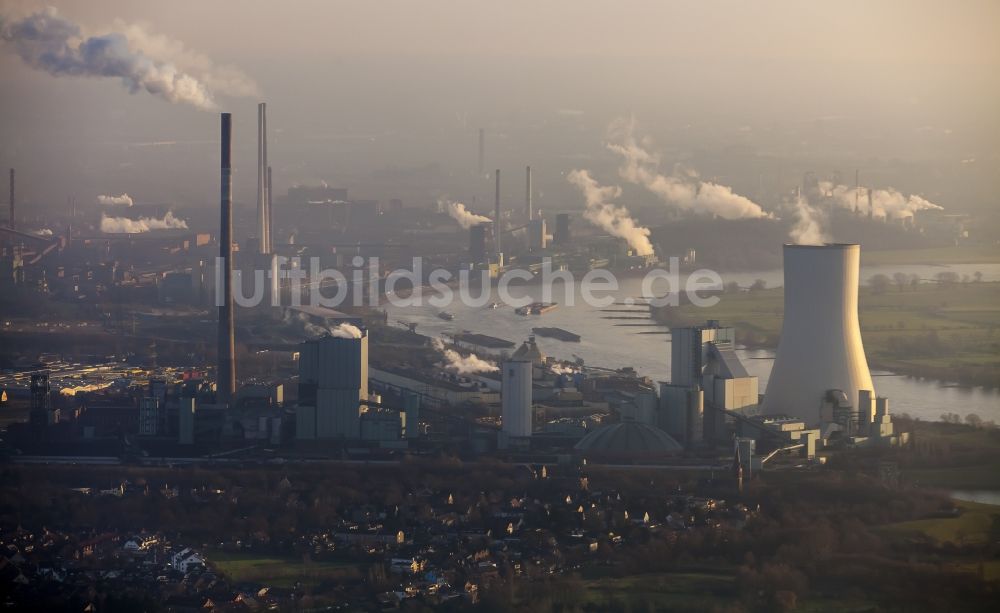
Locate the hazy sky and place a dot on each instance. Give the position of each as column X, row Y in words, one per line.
column 385, row 97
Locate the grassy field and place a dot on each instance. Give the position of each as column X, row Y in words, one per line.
column 950, row 332
column 663, row 591
column 279, row 572
column 976, row 524
column 687, row 591
column 977, row 254
column 955, row 457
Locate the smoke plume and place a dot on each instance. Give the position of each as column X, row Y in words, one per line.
column 683, row 189
column 124, row 225
column 109, row 200
column 888, row 203
column 463, row 365
column 808, row 227
column 346, row 330
column 615, row 220
column 46, row 41
column 562, row 369
column 462, row 215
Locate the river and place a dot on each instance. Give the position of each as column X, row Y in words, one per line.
column 609, row 344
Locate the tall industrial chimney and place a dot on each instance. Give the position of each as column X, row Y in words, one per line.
column 820, row 348
column 226, row 375
column 527, row 195
column 270, row 214
column 482, row 152
column 10, row 220
column 263, row 228
column 496, row 218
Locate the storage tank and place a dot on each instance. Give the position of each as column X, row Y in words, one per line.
column 820, row 346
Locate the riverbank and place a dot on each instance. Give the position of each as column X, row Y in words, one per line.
column 945, row 332
column 938, row 256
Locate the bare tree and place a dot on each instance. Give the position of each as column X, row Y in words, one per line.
column 901, row 279
column 879, row 283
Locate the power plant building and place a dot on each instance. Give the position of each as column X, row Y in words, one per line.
column 706, row 380
column 516, row 398
column 478, row 235
column 561, row 236
column 537, row 239
column 333, row 381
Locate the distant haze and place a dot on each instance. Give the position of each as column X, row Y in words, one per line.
column 386, row 99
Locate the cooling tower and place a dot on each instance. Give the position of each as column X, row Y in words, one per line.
column 820, row 346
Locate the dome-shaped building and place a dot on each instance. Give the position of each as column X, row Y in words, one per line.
column 628, row 439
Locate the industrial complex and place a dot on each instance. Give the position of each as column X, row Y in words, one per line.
column 355, row 386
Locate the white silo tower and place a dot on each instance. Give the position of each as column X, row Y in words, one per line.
column 515, row 397
column 820, row 346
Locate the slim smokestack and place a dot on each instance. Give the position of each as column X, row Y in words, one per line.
column 270, row 215
column 482, row 152
column 226, row 375
column 496, row 216
column 857, row 189
column 10, row 220
column 527, row 197
column 263, row 230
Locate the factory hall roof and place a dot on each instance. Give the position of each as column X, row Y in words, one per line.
column 629, row 438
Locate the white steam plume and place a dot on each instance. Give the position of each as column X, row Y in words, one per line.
column 46, row 41
column 109, row 200
column 124, row 225
column 463, row 365
column 808, row 227
column 614, row 219
column 561, row 369
column 462, row 215
column 43, row 232
column 227, row 80
column 346, row 330
column 889, row 203
column 682, row 189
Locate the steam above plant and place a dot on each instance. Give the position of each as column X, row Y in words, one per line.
column 110, row 200
column 142, row 61
column 464, row 217
column 612, row 218
column 683, row 189
column 125, row 225
column 888, row 202
column 808, row 228
column 463, row 365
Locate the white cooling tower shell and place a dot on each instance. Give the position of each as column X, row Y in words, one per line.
column 820, row 347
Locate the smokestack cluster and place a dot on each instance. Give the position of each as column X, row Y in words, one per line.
column 886, row 202
column 263, row 184
column 226, row 375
